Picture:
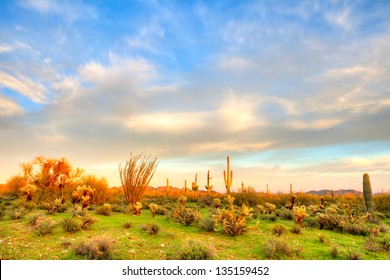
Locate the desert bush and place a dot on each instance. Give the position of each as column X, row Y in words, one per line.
column 16, row 213
column 44, row 225
column 311, row 222
column 351, row 255
column 278, row 230
column 382, row 202
column 151, row 228
column 78, row 211
column 119, row 208
column 323, row 238
column 127, row 224
column 55, row 206
column 33, row 217
column 334, row 252
column 99, row 248
column 186, row 216
column 195, row 251
column 204, row 201
column 276, row 248
column 272, row 217
column 153, row 208
column 207, row 224
column 356, row 229
column 296, row 229
column 105, row 210
column 87, row 222
column 284, row 214
column 71, row 225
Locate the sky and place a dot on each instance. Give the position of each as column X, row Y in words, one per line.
column 293, row 91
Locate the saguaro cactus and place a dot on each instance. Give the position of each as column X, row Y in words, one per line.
column 367, row 192
column 208, row 186
column 268, row 190
column 167, row 189
column 195, row 185
column 228, row 176
column 291, row 191
column 185, row 189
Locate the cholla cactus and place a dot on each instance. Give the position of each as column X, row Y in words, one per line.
column 271, row 207
column 182, row 200
column 247, row 211
column 137, row 208
column 300, row 214
column 261, row 209
column 83, row 195
column 29, row 190
column 217, row 202
column 153, row 208
column 233, row 220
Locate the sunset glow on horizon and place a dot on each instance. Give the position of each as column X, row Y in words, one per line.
column 293, row 91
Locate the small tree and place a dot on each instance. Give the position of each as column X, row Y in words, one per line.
column 135, row 176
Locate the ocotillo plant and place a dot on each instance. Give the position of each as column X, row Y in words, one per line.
column 368, row 193
column 195, row 185
column 208, row 186
column 228, row 176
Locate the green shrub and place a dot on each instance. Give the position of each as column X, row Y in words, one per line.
column 278, row 230
column 285, row 214
column 195, row 251
column 34, row 216
column 104, row 210
column 311, row 222
column 44, row 225
column 353, row 255
column 185, row 215
column 272, row 217
column 334, row 252
column 71, row 225
column 207, row 224
column 97, row 249
column 152, row 228
column 276, row 248
column 16, row 213
column 323, row 238
column 78, row 211
column 296, row 229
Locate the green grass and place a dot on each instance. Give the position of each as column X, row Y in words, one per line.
column 18, row 240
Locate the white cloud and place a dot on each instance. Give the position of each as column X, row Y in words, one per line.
column 167, row 122
column 9, row 107
column 238, row 112
column 24, row 85
column 234, row 63
column 314, row 125
column 5, row 48
column 341, row 17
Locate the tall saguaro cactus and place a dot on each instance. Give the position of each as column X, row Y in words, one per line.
column 367, row 192
column 208, row 186
column 167, row 187
column 228, row 176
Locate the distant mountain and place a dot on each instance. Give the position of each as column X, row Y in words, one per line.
column 336, row 192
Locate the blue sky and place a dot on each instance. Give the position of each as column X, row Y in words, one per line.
column 293, row 91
